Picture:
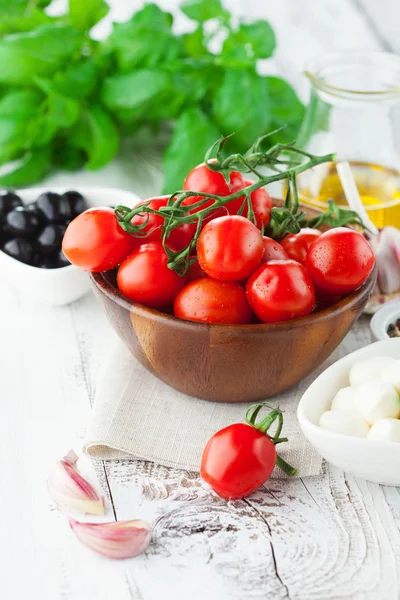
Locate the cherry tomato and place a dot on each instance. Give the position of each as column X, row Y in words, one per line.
column 203, row 179
column 294, row 247
column 237, row 460
column 145, row 277
column 280, row 290
column 261, row 203
column 308, row 235
column 340, row 260
column 181, row 236
column 229, row 248
column 195, row 272
column 272, row 250
column 94, row 241
column 212, row 301
column 154, row 223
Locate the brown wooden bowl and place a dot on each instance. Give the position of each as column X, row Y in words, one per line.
column 229, row 363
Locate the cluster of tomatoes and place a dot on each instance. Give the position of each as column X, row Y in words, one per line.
column 240, row 275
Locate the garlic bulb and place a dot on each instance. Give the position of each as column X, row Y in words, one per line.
column 387, row 253
column 70, row 491
column 122, row 539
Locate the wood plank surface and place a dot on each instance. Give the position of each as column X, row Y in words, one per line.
column 327, row 537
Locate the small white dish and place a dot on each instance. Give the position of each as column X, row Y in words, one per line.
column 56, row 287
column 372, row 460
column 389, row 313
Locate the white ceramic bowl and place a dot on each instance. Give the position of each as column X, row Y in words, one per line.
column 55, row 287
column 372, row 460
column 389, row 313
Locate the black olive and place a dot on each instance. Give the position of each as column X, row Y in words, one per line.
column 21, row 222
column 61, row 260
column 8, row 201
column 45, row 262
column 50, row 239
column 20, row 249
column 76, row 202
column 54, row 208
column 33, row 208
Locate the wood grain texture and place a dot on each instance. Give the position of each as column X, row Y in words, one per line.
column 326, row 538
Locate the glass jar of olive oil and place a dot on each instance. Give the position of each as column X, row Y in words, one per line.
column 354, row 111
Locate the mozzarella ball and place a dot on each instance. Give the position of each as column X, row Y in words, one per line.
column 385, row 430
column 344, row 399
column 369, row 369
column 377, row 400
column 347, row 422
column 392, row 375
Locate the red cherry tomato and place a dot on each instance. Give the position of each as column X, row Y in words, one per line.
column 294, row 247
column 203, row 179
column 272, row 250
column 339, row 261
column 154, row 223
column 308, row 235
column 237, row 460
column 94, row 241
column 181, row 236
column 212, row 301
column 261, row 203
column 195, row 272
column 145, row 277
column 280, row 290
column 229, row 248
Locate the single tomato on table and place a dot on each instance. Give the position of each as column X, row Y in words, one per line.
column 339, row 261
column 145, row 277
column 212, row 301
column 229, row 248
column 94, row 240
column 241, row 457
column 280, row 290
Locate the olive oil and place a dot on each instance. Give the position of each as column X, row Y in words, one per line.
column 379, row 188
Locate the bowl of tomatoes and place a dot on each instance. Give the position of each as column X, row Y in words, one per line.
column 209, row 302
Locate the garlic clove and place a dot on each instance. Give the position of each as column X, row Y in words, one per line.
column 114, row 540
column 70, row 491
column 344, row 399
column 387, row 253
column 369, row 369
column 346, row 422
column 392, row 375
column 385, row 430
column 377, row 400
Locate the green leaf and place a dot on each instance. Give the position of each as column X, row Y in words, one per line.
column 60, row 111
column 79, row 80
column 97, row 134
column 84, row 14
column 20, row 122
column 250, row 42
column 194, row 43
column 27, row 170
column 20, row 104
column 146, row 40
column 286, row 109
column 203, row 10
column 194, row 133
column 13, row 23
column 39, row 53
column 136, row 91
column 241, row 106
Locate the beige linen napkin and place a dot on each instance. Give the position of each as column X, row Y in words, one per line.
column 138, row 416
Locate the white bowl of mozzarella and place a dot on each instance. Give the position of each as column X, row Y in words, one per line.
column 351, row 413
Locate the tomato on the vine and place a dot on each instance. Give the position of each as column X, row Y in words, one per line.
column 229, row 248
column 94, row 240
column 340, row 260
column 280, row 290
column 152, row 223
column 212, row 301
column 241, row 457
column 145, row 277
column 296, row 245
column 272, row 250
column 260, row 201
column 195, row 272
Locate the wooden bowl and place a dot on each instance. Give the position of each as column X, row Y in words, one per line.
column 229, row 363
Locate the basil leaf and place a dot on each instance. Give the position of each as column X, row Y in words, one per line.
column 20, row 104
column 97, row 135
column 136, row 91
column 84, row 14
column 194, row 133
column 27, row 170
column 241, row 105
column 20, row 122
column 286, row 109
column 203, row 10
column 250, row 42
column 39, row 53
column 78, row 81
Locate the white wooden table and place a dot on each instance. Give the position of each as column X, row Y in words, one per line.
column 326, row 537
